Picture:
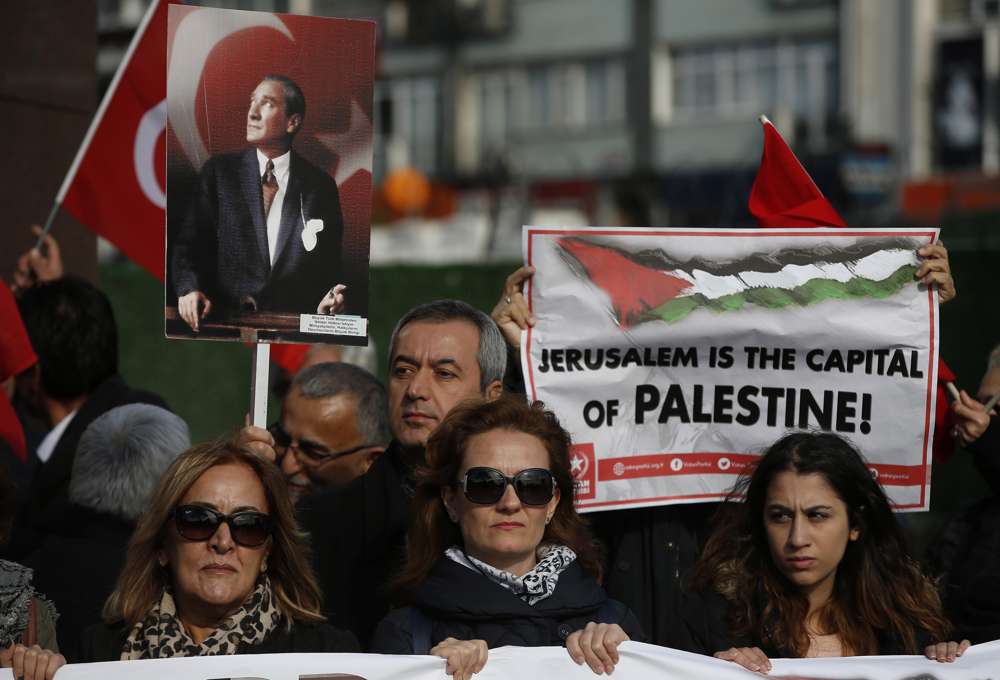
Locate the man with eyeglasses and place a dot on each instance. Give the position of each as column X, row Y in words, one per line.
column 333, row 425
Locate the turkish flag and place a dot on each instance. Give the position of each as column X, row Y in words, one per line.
column 116, row 185
column 784, row 195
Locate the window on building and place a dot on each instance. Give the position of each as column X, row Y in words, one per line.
column 406, row 124
column 735, row 81
column 557, row 96
column 494, row 96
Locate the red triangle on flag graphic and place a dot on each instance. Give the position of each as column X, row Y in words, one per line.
column 115, row 185
column 633, row 289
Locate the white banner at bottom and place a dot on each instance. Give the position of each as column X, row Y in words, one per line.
column 638, row 662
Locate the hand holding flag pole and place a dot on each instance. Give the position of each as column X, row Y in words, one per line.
column 992, row 402
column 47, row 227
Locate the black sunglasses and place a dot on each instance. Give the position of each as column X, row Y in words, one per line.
column 486, row 486
column 313, row 454
column 248, row 528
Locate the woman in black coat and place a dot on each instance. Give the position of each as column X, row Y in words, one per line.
column 216, row 566
column 497, row 555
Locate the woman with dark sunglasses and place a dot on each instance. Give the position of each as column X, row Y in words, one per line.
column 217, row 565
column 496, row 554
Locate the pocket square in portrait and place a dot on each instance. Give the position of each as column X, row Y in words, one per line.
column 309, row 232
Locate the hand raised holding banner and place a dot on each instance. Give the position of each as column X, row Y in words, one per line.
column 946, row 652
column 32, row 663
column 935, row 269
column 464, row 658
column 597, row 645
column 511, row 312
column 751, row 658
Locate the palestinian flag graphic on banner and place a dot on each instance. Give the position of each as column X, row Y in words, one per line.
column 651, row 285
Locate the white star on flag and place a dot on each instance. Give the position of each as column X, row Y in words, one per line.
column 353, row 147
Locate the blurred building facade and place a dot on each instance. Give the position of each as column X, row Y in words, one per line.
column 891, row 104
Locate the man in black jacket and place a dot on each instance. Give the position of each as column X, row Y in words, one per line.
column 73, row 331
column 440, row 353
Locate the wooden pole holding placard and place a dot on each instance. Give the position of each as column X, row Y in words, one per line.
column 259, row 383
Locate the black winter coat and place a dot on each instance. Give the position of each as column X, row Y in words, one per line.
column 706, row 621
column 650, row 555
column 85, row 547
column 466, row 605
column 986, row 452
column 104, row 642
column 968, row 552
column 358, row 534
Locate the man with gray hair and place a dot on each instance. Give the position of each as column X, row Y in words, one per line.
column 440, row 354
column 334, row 424
column 119, row 461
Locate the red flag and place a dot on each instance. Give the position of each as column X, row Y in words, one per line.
column 784, row 195
column 116, row 183
column 16, row 355
column 944, row 418
column 289, row 356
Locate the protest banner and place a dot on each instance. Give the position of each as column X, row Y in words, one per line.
column 674, row 357
column 638, row 662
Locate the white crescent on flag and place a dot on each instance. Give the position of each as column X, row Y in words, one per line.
column 152, row 125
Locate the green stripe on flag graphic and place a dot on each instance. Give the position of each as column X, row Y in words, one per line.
column 810, row 292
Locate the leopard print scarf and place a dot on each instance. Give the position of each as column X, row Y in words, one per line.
column 161, row 634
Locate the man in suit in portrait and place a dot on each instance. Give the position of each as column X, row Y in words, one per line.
column 264, row 229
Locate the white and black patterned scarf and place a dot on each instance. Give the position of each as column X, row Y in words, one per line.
column 161, row 634
column 534, row 586
column 16, row 592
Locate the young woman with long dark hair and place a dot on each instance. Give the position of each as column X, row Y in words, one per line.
column 807, row 559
